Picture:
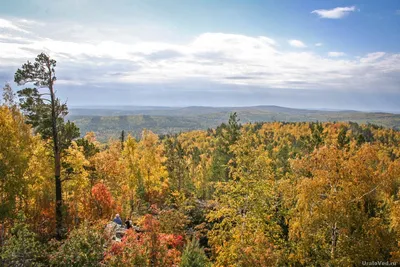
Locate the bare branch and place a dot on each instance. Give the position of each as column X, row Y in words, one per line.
column 369, row 192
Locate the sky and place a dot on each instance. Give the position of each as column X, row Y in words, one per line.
column 300, row 54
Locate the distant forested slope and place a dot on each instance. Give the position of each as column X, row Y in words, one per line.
column 109, row 122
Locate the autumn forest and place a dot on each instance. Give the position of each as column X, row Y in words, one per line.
column 253, row 194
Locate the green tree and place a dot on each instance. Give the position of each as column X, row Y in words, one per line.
column 233, row 128
column 89, row 148
column 175, row 163
column 343, row 139
column 194, row 256
column 318, row 135
column 46, row 116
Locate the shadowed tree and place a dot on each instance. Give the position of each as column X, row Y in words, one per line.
column 46, row 114
column 122, row 139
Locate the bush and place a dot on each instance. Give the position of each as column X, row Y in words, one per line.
column 22, row 248
column 84, row 247
column 129, row 252
column 148, row 248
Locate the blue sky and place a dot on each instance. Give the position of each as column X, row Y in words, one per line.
column 308, row 54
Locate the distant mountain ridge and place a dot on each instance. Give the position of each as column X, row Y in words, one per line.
column 108, row 122
column 182, row 111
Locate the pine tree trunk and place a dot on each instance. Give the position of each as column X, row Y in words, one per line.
column 57, row 159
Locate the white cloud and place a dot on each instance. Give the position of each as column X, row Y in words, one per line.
column 30, row 22
column 231, row 59
column 297, row 43
column 8, row 25
column 318, row 44
column 336, row 54
column 372, row 57
column 336, row 13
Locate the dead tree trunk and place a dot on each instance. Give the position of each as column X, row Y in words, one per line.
column 334, row 237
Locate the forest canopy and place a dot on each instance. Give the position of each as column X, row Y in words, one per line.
column 257, row 194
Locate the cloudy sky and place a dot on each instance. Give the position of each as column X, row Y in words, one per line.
column 308, row 54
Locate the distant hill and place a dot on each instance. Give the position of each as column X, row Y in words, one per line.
column 108, row 122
